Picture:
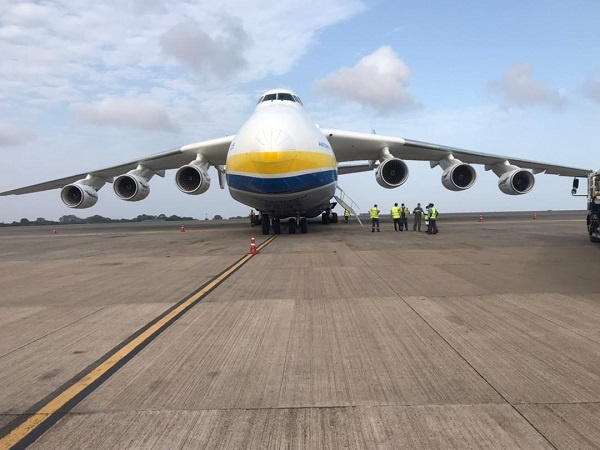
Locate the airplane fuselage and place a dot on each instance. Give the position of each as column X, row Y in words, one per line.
column 280, row 163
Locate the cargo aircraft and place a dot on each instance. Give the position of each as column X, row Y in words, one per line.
column 286, row 167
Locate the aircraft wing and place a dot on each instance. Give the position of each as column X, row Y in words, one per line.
column 214, row 151
column 352, row 146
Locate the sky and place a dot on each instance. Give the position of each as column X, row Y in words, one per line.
column 86, row 85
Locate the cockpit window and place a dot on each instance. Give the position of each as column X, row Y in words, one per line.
column 285, row 96
column 280, row 96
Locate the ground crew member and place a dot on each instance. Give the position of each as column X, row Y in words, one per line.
column 374, row 213
column 346, row 215
column 252, row 217
column 418, row 212
column 432, row 229
column 396, row 216
column 404, row 212
column 426, row 217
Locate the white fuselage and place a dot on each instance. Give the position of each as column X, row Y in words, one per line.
column 280, row 163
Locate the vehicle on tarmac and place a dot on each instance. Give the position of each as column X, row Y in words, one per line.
column 593, row 204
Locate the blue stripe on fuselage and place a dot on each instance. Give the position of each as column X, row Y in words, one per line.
column 282, row 185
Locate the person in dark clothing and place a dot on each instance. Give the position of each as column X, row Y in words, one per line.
column 418, row 213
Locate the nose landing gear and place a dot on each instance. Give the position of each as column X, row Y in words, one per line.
column 293, row 225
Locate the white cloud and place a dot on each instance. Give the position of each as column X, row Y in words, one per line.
column 150, row 6
column 518, row 88
column 378, row 80
column 591, row 89
column 143, row 114
column 216, row 57
column 13, row 135
column 84, row 48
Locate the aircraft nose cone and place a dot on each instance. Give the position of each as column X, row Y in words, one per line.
column 273, row 140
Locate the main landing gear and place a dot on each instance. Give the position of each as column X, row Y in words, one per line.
column 293, row 225
column 329, row 217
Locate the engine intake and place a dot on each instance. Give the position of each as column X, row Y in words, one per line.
column 391, row 173
column 516, row 182
column 193, row 179
column 78, row 196
column 131, row 187
column 459, row 177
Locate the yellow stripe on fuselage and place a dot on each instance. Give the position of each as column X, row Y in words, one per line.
column 281, row 162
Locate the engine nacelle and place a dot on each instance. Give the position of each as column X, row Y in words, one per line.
column 516, row 182
column 459, row 177
column 131, row 187
column 193, row 179
column 78, row 196
column 391, row 173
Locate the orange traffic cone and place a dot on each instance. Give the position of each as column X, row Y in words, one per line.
column 481, row 217
column 253, row 250
column 182, row 228
column 534, row 216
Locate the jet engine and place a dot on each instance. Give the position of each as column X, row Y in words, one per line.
column 459, row 177
column 78, row 195
column 391, row 173
column 131, row 187
column 516, row 182
column 193, row 178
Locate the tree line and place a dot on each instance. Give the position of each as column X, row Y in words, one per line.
column 74, row 220
column 71, row 220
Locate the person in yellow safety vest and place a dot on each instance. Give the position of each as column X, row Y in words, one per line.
column 433, row 213
column 252, row 216
column 346, row 215
column 395, row 212
column 404, row 212
column 374, row 213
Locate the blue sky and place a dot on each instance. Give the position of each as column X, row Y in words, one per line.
column 88, row 85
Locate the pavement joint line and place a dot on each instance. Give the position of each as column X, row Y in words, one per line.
column 56, row 330
column 61, row 401
column 514, row 408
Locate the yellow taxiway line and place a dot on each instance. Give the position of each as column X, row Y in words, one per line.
column 54, row 405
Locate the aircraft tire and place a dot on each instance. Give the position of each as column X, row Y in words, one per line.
column 334, row 217
column 325, row 218
column 292, row 226
column 303, row 225
column 276, row 226
column 266, row 224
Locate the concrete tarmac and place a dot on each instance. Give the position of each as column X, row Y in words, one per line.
column 486, row 335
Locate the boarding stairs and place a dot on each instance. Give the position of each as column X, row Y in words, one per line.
column 347, row 203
